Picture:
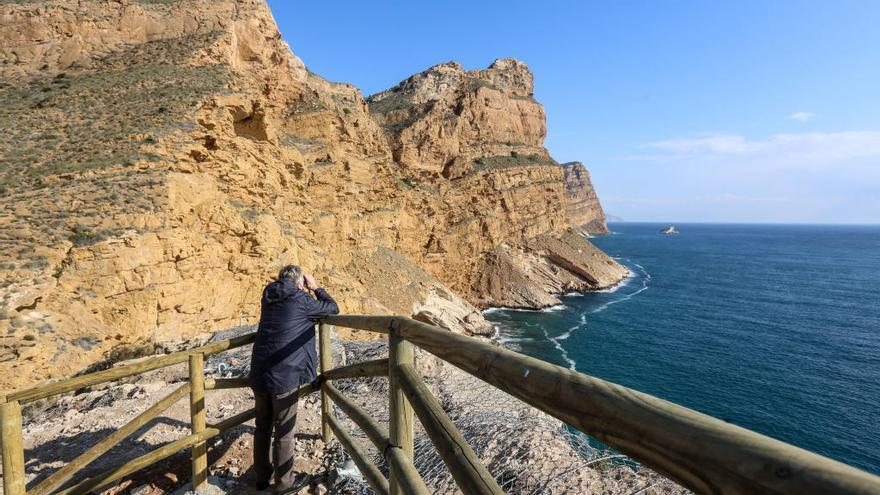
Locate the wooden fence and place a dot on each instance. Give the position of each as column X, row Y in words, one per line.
column 700, row 452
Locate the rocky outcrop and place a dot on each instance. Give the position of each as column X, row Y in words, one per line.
column 534, row 274
column 441, row 119
column 581, row 201
column 196, row 155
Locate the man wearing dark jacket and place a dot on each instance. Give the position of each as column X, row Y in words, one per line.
column 283, row 358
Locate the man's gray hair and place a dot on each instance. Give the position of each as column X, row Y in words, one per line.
column 293, row 272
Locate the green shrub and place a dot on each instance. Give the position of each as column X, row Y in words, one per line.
column 86, row 238
column 30, row 337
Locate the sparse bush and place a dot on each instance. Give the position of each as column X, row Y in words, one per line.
column 30, row 337
column 515, row 159
column 86, row 238
column 99, row 108
column 37, row 263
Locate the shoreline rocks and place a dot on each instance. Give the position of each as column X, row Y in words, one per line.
column 534, row 275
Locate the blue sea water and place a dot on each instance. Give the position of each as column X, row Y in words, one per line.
column 772, row 327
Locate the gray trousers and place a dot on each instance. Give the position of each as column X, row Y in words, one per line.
column 275, row 413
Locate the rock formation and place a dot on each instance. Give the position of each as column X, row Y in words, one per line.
column 582, row 203
column 163, row 159
column 441, row 119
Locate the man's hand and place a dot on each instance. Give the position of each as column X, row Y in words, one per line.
column 309, row 282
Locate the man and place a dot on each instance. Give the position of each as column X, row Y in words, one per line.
column 283, row 359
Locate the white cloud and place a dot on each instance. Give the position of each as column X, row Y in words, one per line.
column 801, row 116
column 719, row 143
column 804, row 148
column 724, row 176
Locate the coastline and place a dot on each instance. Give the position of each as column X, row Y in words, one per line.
column 730, row 313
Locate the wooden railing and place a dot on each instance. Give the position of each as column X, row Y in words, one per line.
column 700, row 452
column 11, row 432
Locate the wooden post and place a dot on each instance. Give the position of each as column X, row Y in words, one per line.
column 401, row 421
column 469, row 473
column 326, row 363
column 13, row 451
column 702, row 453
column 399, row 463
column 369, row 470
column 70, row 469
column 197, row 415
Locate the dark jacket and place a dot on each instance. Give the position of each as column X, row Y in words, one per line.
column 284, row 353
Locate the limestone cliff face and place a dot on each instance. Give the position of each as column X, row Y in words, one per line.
column 582, row 203
column 446, row 116
column 163, row 159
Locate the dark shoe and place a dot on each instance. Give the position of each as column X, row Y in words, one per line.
column 301, row 481
column 262, row 486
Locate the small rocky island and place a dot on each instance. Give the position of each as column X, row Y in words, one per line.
column 671, row 230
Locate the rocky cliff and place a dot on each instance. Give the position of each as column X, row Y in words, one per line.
column 583, row 209
column 441, row 119
column 163, row 159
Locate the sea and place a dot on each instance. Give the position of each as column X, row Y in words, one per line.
column 775, row 328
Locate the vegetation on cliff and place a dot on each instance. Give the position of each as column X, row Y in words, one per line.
column 165, row 157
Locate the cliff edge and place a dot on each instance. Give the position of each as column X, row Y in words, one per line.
column 163, row 159
column 583, row 209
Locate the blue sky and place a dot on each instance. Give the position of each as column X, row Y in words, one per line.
column 746, row 111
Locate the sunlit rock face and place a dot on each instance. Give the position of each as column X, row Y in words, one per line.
column 582, row 203
column 162, row 160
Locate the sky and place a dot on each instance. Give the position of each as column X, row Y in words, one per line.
column 683, row 111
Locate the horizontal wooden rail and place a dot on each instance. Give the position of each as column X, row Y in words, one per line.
column 371, row 473
column 70, row 469
column 379, row 324
column 397, row 459
column 96, row 483
column 71, row 384
column 469, row 473
column 702, row 453
column 226, row 383
column 376, row 367
column 100, row 481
